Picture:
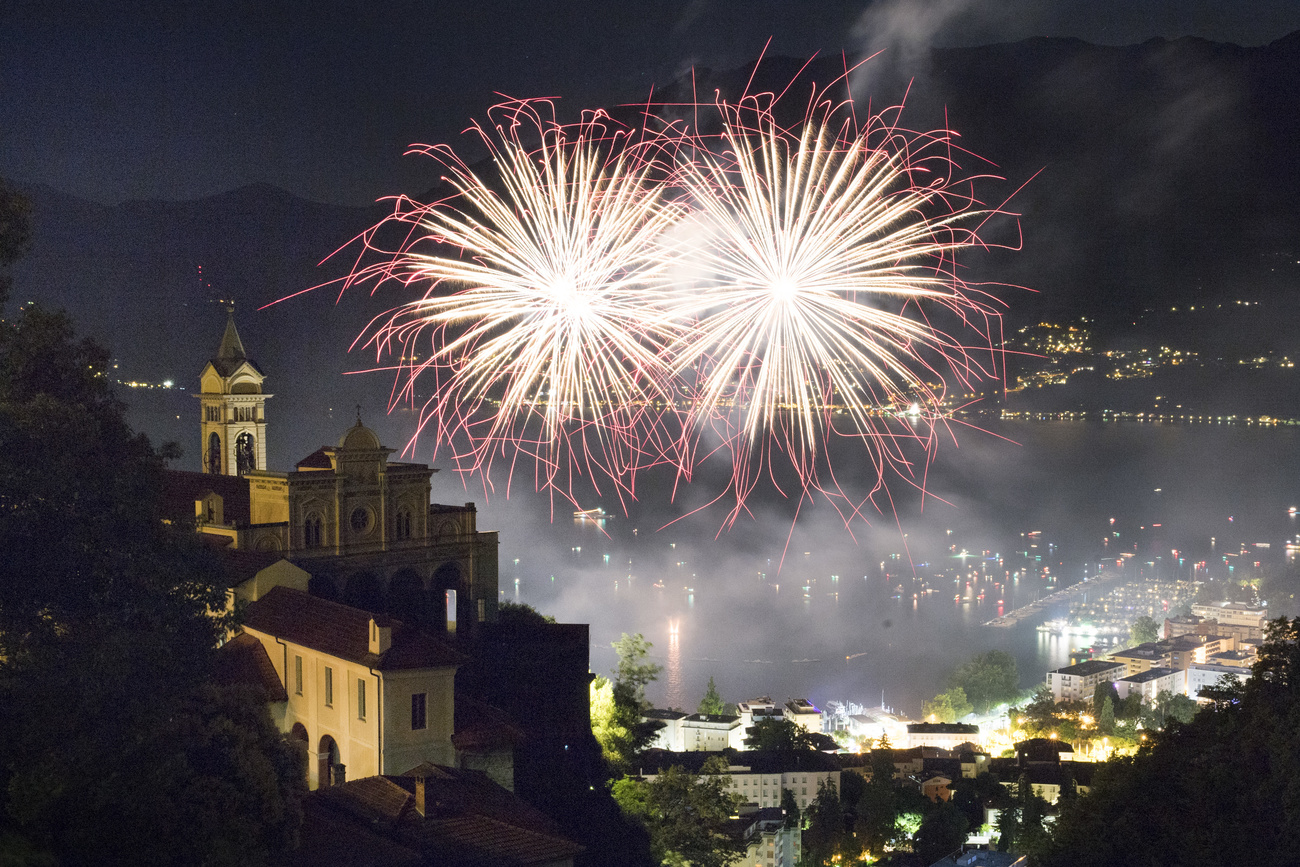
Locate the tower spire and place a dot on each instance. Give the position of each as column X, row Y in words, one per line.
column 233, row 424
column 231, row 346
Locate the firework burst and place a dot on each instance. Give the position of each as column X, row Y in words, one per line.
column 819, row 259
column 606, row 299
column 539, row 315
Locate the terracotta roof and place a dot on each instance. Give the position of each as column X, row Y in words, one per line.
column 243, row 660
column 470, row 819
column 501, row 842
column 344, row 632
column 181, row 488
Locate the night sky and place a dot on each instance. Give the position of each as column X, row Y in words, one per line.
column 174, row 100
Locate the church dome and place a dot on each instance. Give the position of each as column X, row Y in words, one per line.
column 360, row 438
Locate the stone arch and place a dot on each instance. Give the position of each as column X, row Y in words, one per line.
column 245, row 453
column 363, row 590
column 323, row 587
column 298, row 740
column 407, row 599
column 449, row 577
column 214, row 453
column 330, row 770
column 267, row 544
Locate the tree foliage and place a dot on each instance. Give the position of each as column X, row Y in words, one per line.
column 1143, row 630
column 948, row 706
column 633, row 671
column 780, row 735
column 1223, row 782
column 521, row 613
column 686, row 814
column 112, row 746
column 617, row 706
column 941, row 832
column 877, row 808
column 825, row 836
column 988, row 680
column 712, row 702
column 1104, row 692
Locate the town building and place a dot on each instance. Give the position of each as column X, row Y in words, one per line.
column 1143, row 657
column 758, row 775
column 758, row 709
column 668, row 729
column 1049, row 767
column 1207, row 674
column 945, row 736
column 363, row 694
column 878, row 724
column 772, row 841
column 362, row 597
column 1152, row 682
column 361, row 524
column 804, row 714
column 1235, row 618
column 710, row 732
column 1078, row 682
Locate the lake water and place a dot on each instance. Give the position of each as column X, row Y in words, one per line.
column 802, row 608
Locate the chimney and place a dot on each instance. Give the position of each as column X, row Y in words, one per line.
column 419, row 797
column 381, row 635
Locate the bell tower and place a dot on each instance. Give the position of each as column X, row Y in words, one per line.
column 232, row 417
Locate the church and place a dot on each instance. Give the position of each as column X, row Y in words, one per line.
column 370, row 618
column 361, row 524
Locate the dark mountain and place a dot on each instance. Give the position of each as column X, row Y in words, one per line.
column 1162, row 174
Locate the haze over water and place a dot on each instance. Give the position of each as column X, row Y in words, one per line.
column 845, row 620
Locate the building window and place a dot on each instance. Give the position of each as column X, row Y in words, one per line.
column 313, row 535
column 297, row 675
column 360, row 519
column 361, row 699
column 329, row 686
column 419, row 718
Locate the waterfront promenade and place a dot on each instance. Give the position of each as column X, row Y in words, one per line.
column 1035, row 609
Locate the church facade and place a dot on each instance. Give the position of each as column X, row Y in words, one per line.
column 362, row 525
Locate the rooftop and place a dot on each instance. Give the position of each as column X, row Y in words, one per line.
column 344, row 632
column 712, row 718
column 182, row 487
column 1149, row 675
column 659, row 713
column 1088, row 667
column 942, row 729
column 468, row 819
column 243, row 660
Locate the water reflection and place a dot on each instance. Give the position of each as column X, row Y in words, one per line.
column 675, row 694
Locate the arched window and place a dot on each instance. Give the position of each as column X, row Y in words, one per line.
column 330, row 771
column 403, row 528
column 245, row 461
column 313, row 531
column 214, row 453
